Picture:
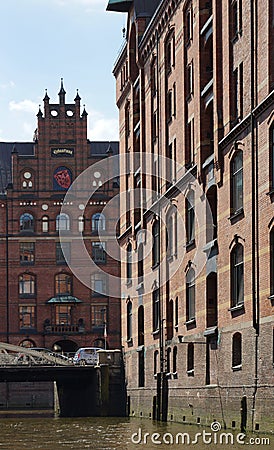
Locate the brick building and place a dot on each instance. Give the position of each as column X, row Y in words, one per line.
column 43, row 303
column 194, row 84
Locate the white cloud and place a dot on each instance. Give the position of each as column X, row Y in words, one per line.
column 25, row 105
column 9, row 84
column 102, row 129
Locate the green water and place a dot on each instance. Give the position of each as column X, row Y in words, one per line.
column 116, row 433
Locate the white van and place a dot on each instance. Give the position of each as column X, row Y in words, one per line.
column 86, row 355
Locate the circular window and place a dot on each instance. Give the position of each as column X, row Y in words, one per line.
column 97, row 174
column 69, row 113
column 81, row 206
column 54, row 113
column 45, row 207
column 27, row 175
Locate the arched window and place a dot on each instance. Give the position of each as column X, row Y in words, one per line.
column 27, row 285
column 81, row 224
column 190, row 359
column 236, row 187
column 170, row 51
column 272, row 262
column 98, row 222
column 129, row 263
column 45, row 224
column 175, row 351
column 63, row 284
column 129, row 321
column 237, row 351
column 190, row 218
column 237, row 275
column 156, row 243
column 26, row 222
column 62, row 222
column 190, row 295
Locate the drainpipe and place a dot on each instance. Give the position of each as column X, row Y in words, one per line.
column 7, row 271
column 254, row 174
column 162, row 391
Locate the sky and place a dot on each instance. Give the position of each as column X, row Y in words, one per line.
column 42, row 41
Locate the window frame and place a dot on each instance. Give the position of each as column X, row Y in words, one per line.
column 156, row 243
column 22, row 251
column 237, row 348
column 99, row 254
column 236, row 184
column 62, row 222
column 59, row 281
column 30, row 311
column 129, row 321
column 190, row 295
column 23, row 282
column 156, row 310
column 60, row 258
column 236, row 274
column 27, row 225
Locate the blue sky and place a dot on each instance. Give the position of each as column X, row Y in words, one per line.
column 44, row 40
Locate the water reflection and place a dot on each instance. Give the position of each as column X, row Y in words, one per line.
column 107, row 434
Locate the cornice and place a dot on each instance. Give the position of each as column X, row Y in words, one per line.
column 157, row 26
column 230, row 137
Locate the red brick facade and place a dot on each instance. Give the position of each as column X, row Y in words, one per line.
column 43, row 303
column 195, row 84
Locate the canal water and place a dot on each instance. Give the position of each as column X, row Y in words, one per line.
column 117, row 433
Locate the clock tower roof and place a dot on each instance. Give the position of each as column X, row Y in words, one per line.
column 62, row 93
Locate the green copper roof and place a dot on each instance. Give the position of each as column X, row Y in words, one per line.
column 119, row 5
column 64, row 299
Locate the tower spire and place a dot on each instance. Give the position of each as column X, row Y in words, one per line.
column 62, row 93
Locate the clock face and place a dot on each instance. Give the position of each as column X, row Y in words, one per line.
column 45, row 207
column 27, row 175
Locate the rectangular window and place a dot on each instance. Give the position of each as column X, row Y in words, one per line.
column 189, row 156
column 62, row 252
column 190, row 79
column 98, row 284
column 98, row 315
column 26, row 285
column 99, row 252
column 153, row 80
column 236, row 12
column 174, row 100
column 169, row 106
column 63, row 314
column 156, row 310
column 238, row 93
column 272, row 263
column 154, row 126
column 237, row 183
column 272, row 158
column 189, row 24
column 27, row 316
column 27, row 253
